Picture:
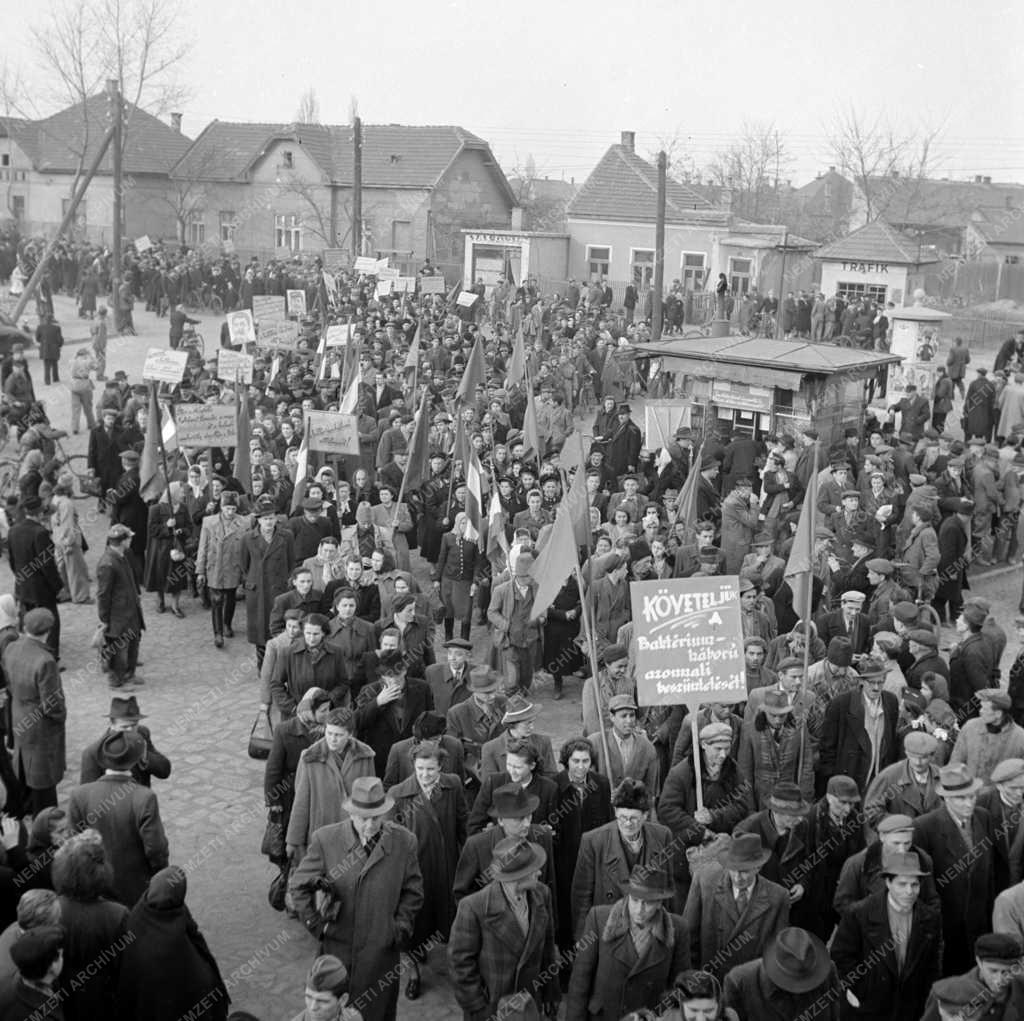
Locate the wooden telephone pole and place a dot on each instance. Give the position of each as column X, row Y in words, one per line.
column 357, row 187
column 659, row 250
column 117, row 155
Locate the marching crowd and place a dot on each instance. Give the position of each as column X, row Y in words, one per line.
column 846, row 843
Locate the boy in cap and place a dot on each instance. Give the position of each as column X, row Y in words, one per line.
column 630, row 751
column 991, row 989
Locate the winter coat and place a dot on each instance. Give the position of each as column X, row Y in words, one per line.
column 91, row 928
column 265, row 569
column 168, row 531
column 763, row 761
column 30, row 549
column 219, row 557
column 861, row 876
column 982, row 750
column 845, row 748
column 754, row 997
column 117, row 596
column 727, row 798
column 38, row 712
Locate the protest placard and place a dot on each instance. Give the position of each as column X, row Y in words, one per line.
column 466, row 299
column 432, row 285
column 206, row 425
column 143, row 244
column 689, row 641
column 234, row 366
column 335, row 259
column 383, row 289
column 338, row 335
column 382, row 266
column 164, row 365
column 405, row 285
column 296, row 303
column 268, row 308
column 366, row 265
column 283, row 336
column 332, row 433
column 242, row 327
column 386, row 273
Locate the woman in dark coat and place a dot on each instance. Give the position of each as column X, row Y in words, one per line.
column 50, row 830
column 438, row 819
column 268, row 557
column 95, row 928
column 584, row 803
column 561, row 653
column 167, row 970
column 170, row 549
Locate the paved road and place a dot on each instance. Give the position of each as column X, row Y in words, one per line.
column 201, row 702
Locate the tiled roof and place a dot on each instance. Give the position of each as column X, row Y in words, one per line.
column 623, row 186
column 876, row 242
column 394, row 155
column 925, row 202
column 55, row 144
column 999, row 226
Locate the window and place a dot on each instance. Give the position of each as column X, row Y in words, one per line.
column 288, row 232
column 18, row 207
column 739, row 275
column 641, row 265
column 5, row 160
column 692, row 271
column 196, row 229
column 598, row 261
column 1012, row 260
column 873, row 292
column 401, row 235
column 227, row 226
column 287, row 159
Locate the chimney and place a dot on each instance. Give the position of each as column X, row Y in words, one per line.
column 894, row 173
column 978, row 179
column 517, row 218
column 725, row 199
column 987, row 180
column 831, row 170
column 628, row 140
column 176, row 122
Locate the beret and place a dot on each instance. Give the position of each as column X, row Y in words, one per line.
column 1008, row 769
column 998, row 946
column 920, row 742
column 905, row 612
column 33, row 946
column 923, row 637
column 999, row 698
column 895, row 824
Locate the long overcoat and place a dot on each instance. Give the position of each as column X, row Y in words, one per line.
column 265, row 570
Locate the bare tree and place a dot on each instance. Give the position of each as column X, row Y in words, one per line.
column 11, row 87
column 681, row 164
column 543, row 208
column 309, row 108
column 885, row 162
column 751, row 168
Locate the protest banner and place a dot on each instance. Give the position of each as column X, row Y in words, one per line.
column 338, row 335
column 242, row 327
column 143, row 244
column 405, row 285
column 689, row 641
column 332, row 433
column 282, row 336
column 382, row 266
column 433, row 285
column 296, row 302
column 466, row 299
column 335, row 259
column 366, row 265
column 163, row 365
column 206, row 425
column 234, row 366
column 386, row 273
column 268, row 308
column 383, row 289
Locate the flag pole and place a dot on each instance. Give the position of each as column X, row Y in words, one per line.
column 401, row 488
column 809, row 600
column 588, row 633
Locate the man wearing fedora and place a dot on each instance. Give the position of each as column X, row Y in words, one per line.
column 630, row 752
column 501, row 952
column 358, row 890
column 38, row 712
column 992, row 987
column 522, row 767
column 732, row 911
column 629, row 953
column 119, row 607
column 990, row 738
column 37, row 580
column 449, row 681
column 125, row 715
column 477, row 719
column 126, row 815
column 902, row 936
column 958, row 835
column 794, row 978
column 512, row 810
column 609, row 853
column 519, row 719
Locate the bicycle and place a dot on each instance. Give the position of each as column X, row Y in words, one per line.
column 204, row 299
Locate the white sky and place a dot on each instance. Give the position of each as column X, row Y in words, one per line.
column 560, row 79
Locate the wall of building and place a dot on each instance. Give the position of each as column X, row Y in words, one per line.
column 467, row 196
column 894, row 277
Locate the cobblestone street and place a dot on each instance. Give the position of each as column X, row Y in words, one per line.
column 200, row 703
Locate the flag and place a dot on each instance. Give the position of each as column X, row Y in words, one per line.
column 577, row 501
column 799, row 572
column 460, row 445
column 477, row 525
column 301, row 471
column 515, row 372
column 686, row 502
column 243, row 466
column 169, row 433
column 474, row 376
column 321, row 354
column 151, row 477
column 571, row 455
column 556, row 562
column 350, row 401
column 418, row 468
column 496, row 539
column 531, row 431
column 412, row 359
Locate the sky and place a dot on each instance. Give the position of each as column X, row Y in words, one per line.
column 561, row 79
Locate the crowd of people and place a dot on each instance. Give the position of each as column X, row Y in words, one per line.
column 844, row 843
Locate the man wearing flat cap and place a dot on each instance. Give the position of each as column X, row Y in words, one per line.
column 740, row 516
column 972, row 664
column 848, row 622
column 895, row 925
column 38, row 954
column 959, row 837
column 909, row 786
column 630, row 951
column 922, row 644
column 1003, row 799
column 501, row 951
column 992, row 987
column 990, row 738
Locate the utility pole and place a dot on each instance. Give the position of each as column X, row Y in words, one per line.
column 117, row 153
column 357, row 187
column 659, row 249
column 779, row 332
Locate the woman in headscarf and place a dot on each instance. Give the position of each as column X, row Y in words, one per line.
column 170, row 550
column 455, row 577
column 167, row 970
column 68, row 541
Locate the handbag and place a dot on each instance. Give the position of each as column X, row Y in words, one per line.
column 273, row 843
column 259, row 743
column 278, row 889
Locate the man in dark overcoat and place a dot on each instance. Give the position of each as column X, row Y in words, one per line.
column 119, row 607
column 37, row 581
column 126, row 715
column 128, row 508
